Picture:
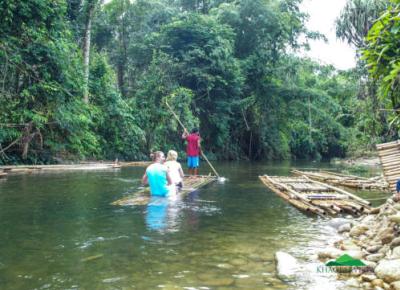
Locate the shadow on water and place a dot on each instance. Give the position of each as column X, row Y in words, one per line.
column 59, row 231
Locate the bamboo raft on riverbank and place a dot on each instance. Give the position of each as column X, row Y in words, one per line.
column 314, row 196
column 69, row 167
column 351, row 181
column 190, row 184
column 389, row 155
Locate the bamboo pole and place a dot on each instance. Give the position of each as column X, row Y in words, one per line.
column 293, row 192
column 344, row 192
column 295, row 202
column 389, row 145
column 183, row 126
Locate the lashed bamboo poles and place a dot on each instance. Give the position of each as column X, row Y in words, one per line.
column 359, row 199
column 344, row 180
column 294, row 193
column 65, row 167
column 389, row 155
column 142, row 196
column 326, row 200
column 296, row 203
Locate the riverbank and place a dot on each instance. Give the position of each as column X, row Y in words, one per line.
column 371, row 161
column 373, row 239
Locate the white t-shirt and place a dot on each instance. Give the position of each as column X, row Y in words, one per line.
column 174, row 167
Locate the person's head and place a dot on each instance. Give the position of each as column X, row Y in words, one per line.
column 195, row 131
column 157, row 156
column 172, row 155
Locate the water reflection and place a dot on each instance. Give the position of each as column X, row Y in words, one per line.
column 162, row 214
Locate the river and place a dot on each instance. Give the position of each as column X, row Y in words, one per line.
column 60, row 231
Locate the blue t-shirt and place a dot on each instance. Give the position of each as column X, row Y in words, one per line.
column 157, row 176
column 398, row 186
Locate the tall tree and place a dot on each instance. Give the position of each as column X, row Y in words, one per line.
column 89, row 12
column 356, row 19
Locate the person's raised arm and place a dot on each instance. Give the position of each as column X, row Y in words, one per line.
column 185, row 134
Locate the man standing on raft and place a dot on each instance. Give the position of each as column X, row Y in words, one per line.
column 193, row 150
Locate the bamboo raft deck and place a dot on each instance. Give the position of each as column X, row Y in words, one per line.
column 351, row 181
column 314, row 196
column 190, row 184
column 389, row 155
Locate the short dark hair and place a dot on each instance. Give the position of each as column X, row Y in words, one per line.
column 195, row 130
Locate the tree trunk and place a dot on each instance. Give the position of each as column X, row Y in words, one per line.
column 26, row 139
column 123, row 59
column 120, row 77
column 86, row 50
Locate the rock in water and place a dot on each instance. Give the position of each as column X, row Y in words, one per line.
column 286, row 266
column 373, row 249
column 395, row 218
column 344, row 228
column 329, row 253
column 374, row 257
column 388, row 270
column 358, row 230
column 353, row 283
column 396, row 253
column 337, row 222
column 396, row 285
column 395, row 243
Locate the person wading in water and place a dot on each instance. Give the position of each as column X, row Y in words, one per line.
column 193, row 150
column 158, row 177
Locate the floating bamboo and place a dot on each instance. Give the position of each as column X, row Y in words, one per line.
column 69, row 167
column 351, row 181
column 389, row 155
column 190, row 184
column 315, row 197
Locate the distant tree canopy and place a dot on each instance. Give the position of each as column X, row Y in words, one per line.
column 82, row 80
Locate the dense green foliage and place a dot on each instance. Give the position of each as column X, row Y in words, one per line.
column 382, row 55
column 226, row 66
column 353, row 26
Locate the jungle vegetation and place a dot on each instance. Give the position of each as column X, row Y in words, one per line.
column 83, row 79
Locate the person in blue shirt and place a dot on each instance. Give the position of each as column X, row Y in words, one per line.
column 158, row 177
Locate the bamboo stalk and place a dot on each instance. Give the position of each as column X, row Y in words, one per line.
column 300, row 204
column 345, row 192
column 389, row 145
column 299, row 196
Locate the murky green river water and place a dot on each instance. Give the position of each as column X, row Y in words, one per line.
column 59, row 231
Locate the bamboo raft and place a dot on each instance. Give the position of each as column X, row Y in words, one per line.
column 389, row 155
column 314, row 196
column 69, row 167
column 142, row 196
column 351, row 181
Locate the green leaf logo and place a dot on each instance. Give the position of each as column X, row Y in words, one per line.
column 345, row 260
